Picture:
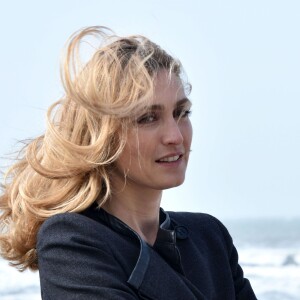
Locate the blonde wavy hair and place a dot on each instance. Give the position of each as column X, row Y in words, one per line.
column 68, row 168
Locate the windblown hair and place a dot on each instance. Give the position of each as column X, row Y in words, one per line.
column 68, row 168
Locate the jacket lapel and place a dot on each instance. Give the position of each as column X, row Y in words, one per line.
column 161, row 282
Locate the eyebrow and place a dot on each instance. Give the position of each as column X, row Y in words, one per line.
column 180, row 102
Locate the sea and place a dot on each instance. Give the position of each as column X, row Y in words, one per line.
column 269, row 253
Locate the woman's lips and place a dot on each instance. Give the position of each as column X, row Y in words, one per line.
column 170, row 158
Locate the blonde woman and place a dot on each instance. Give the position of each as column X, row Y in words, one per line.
column 82, row 204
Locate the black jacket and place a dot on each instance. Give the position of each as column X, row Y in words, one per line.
column 94, row 255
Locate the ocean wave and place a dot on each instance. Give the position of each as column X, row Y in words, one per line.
column 33, row 296
column 15, row 285
column 275, row 295
column 268, row 257
column 274, row 273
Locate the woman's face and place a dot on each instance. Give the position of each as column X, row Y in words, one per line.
column 157, row 148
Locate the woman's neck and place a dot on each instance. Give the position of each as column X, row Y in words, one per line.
column 139, row 209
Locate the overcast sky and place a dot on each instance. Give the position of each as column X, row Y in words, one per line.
column 243, row 60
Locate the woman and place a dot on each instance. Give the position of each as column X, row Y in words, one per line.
column 82, row 205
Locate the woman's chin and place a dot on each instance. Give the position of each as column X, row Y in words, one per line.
column 169, row 185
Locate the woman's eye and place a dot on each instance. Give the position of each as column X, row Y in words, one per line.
column 148, row 118
column 182, row 113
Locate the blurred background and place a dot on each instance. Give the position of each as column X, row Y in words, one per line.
column 243, row 60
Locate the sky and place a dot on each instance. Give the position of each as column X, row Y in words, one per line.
column 243, row 60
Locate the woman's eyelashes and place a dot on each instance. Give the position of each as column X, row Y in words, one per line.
column 147, row 118
column 181, row 112
column 153, row 116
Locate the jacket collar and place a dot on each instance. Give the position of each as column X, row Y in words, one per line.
column 164, row 255
column 165, row 244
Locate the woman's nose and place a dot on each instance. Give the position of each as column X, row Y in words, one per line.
column 171, row 133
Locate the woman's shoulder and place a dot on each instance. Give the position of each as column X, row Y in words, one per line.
column 68, row 226
column 64, row 220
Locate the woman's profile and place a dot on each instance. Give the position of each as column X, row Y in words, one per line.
column 82, row 202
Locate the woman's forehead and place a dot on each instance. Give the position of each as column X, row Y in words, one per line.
column 167, row 87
